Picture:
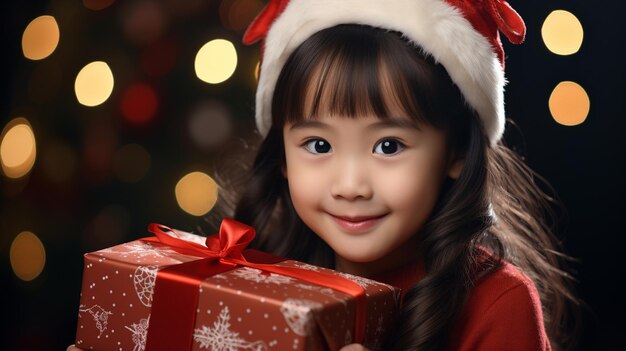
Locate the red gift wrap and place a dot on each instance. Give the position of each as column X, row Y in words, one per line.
column 180, row 291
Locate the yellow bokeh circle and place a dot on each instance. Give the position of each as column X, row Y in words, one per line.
column 257, row 70
column 40, row 38
column 28, row 256
column 562, row 33
column 216, row 61
column 94, row 84
column 569, row 104
column 196, row 193
column 18, row 149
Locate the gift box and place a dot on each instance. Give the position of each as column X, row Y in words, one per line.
column 180, row 291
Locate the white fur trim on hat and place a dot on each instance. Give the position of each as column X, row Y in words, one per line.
column 439, row 28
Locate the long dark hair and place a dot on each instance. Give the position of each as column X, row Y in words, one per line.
column 495, row 204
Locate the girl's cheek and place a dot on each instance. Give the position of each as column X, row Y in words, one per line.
column 409, row 188
column 305, row 180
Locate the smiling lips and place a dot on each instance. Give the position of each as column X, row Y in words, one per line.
column 357, row 224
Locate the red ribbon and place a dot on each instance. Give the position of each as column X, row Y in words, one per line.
column 175, row 297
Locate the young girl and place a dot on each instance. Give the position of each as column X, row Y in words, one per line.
column 382, row 157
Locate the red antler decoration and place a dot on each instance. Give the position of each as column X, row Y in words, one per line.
column 261, row 24
column 489, row 16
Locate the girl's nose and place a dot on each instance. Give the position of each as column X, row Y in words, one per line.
column 351, row 182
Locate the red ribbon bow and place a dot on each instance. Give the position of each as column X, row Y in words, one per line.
column 172, row 319
column 232, row 238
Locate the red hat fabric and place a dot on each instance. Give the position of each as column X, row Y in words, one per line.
column 462, row 35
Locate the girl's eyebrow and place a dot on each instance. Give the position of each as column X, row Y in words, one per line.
column 308, row 123
column 385, row 123
column 395, row 123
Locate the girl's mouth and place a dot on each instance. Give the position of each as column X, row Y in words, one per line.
column 358, row 224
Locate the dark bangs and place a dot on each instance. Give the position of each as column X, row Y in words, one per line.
column 355, row 70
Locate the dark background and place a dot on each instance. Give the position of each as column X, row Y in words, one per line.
column 94, row 209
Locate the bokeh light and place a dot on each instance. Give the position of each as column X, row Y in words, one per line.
column 225, row 6
column 562, row 32
column 131, row 163
column 210, row 124
column 58, row 161
column 18, row 149
column 97, row 5
column 94, row 84
column 216, row 61
column 569, row 104
column 238, row 14
column 139, row 103
column 143, row 22
column 40, row 38
column 28, row 256
column 196, row 193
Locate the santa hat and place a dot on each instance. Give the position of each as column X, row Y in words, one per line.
column 461, row 35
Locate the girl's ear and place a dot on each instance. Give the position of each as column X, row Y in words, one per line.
column 454, row 169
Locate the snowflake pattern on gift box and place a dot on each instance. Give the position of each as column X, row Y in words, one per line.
column 326, row 291
column 99, row 315
column 140, row 332
column 189, row 237
column 143, row 281
column 257, row 276
column 347, row 339
column 380, row 329
column 137, row 250
column 307, row 266
column 363, row 282
column 296, row 313
column 221, row 338
column 307, row 287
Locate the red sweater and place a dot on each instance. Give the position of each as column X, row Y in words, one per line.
column 503, row 311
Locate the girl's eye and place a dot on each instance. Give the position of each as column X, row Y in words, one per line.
column 388, row 147
column 317, row 146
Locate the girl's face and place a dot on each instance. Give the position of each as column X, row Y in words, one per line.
column 365, row 185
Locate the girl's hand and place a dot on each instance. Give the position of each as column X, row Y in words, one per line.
column 354, row 347
column 73, row 348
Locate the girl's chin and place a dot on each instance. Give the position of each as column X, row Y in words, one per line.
column 358, row 257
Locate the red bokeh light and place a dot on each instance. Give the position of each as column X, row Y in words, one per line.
column 139, row 103
column 97, row 5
